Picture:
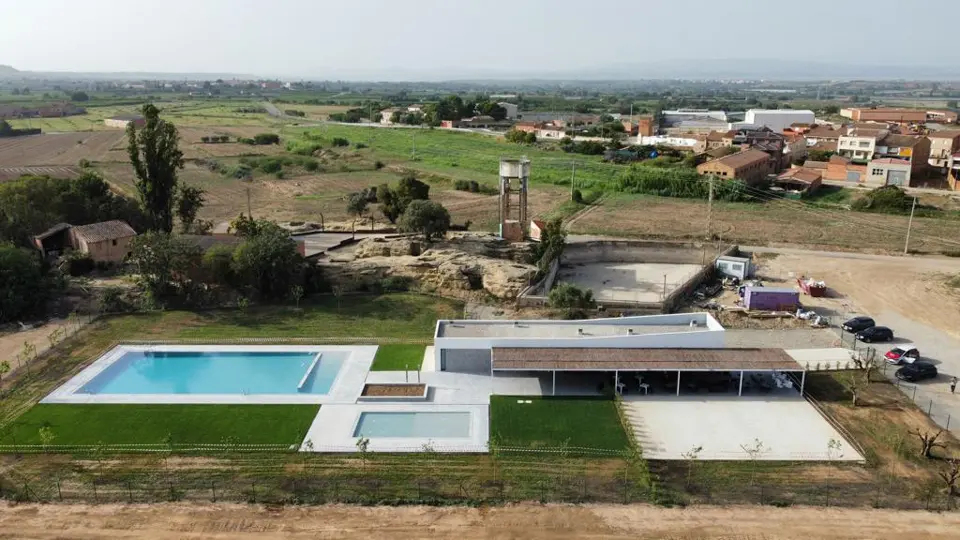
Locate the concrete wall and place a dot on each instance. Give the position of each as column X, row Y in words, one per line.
column 673, row 301
column 628, row 251
column 107, row 250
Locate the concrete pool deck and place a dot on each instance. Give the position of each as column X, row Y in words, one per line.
column 346, row 386
column 788, row 427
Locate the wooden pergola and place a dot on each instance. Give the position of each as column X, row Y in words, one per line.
column 619, row 359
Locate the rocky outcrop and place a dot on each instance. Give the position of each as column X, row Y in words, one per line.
column 464, row 266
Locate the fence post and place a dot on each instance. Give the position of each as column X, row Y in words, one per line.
column 253, row 490
column 213, row 490
column 130, row 491
column 914, row 392
column 59, row 493
column 761, row 494
column 96, row 498
column 930, row 408
column 948, row 422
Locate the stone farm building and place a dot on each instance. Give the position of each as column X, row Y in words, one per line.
column 108, row 241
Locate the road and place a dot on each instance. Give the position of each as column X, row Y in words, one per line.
column 272, row 110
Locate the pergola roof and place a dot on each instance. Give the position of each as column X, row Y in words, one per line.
column 610, row 359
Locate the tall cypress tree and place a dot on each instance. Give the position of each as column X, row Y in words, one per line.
column 156, row 156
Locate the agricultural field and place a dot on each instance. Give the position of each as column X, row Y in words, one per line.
column 92, row 121
column 773, row 223
column 62, row 148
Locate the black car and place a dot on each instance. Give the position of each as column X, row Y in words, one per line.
column 917, row 371
column 857, row 324
column 875, row 333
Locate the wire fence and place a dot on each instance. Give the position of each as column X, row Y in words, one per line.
column 446, row 486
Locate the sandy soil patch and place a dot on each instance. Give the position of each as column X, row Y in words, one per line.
column 182, row 521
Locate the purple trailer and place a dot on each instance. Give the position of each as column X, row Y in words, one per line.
column 771, row 298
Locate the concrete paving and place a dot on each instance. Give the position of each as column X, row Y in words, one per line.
column 669, row 426
column 933, row 395
column 629, row 282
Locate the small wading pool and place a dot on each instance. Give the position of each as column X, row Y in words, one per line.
column 413, row 424
column 217, row 372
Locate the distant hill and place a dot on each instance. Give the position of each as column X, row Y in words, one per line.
column 7, row 71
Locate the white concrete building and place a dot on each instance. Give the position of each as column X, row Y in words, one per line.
column 680, row 115
column 467, row 345
column 779, row 119
column 512, row 109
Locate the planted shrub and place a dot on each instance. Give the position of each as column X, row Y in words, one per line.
column 340, row 141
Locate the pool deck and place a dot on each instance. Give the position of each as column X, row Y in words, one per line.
column 345, row 388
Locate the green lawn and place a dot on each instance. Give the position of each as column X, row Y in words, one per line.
column 152, row 424
column 551, row 421
column 398, row 358
column 468, row 155
column 405, row 316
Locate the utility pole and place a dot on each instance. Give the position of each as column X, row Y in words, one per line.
column 573, row 178
column 710, row 208
column 249, row 211
column 906, row 244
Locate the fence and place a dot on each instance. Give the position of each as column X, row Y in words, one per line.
column 444, row 485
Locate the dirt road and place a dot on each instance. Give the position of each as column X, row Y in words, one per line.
column 180, row 521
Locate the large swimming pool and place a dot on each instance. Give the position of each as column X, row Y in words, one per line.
column 274, row 372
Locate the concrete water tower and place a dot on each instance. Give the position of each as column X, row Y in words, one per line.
column 514, row 178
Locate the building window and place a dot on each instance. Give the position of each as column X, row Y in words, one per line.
column 114, row 241
column 864, row 144
column 877, row 172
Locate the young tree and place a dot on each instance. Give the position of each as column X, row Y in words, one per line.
column 357, row 206
column 390, row 205
column 410, row 189
column 46, row 437
column 296, row 292
column 425, row 217
column 4, row 368
column 553, row 239
column 853, row 384
column 155, row 155
column 755, row 451
column 951, row 476
column 189, row 202
column 363, row 445
column 928, row 441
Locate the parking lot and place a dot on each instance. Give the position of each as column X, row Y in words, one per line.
column 776, row 427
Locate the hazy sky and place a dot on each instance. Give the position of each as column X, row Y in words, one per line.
column 391, row 39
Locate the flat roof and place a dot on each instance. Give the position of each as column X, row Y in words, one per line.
column 533, row 329
column 610, row 359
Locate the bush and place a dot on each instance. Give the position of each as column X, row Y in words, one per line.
column 396, row 284
column 79, row 264
column 22, row 282
column 359, row 146
column 425, row 217
column 111, row 301
column 569, row 296
column 205, row 139
column 577, row 196
column 520, row 137
column 243, row 140
column 83, row 164
column 303, row 148
column 340, row 141
column 378, row 165
column 311, row 165
column 266, row 138
column 886, row 200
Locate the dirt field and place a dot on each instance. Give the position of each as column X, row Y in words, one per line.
column 911, row 286
column 180, row 521
column 61, row 148
column 779, row 223
column 482, row 209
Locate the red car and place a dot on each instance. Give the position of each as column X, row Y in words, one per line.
column 903, row 354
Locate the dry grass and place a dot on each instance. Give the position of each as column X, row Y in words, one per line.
column 60, row 148
column 778, row 223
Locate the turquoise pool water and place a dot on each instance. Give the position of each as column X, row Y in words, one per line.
column 202, row 372
column 413, row 424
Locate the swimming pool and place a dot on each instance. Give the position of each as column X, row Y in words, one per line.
column 226, row 374
column 413, row 424
column 216, row 372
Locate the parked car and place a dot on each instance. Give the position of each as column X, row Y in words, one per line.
column 875, row 333
column 917, row 371
column 857, row 324
column 903, row 354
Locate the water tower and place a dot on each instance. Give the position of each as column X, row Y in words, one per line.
column 514, row 178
